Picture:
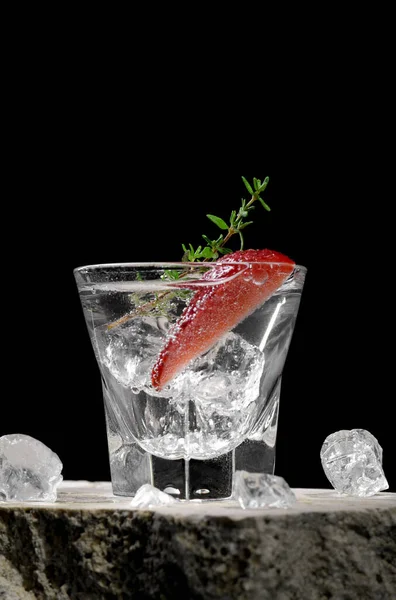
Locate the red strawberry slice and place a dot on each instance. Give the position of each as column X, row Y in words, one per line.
column 251, row 276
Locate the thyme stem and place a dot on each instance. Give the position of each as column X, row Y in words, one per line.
column 214, row 248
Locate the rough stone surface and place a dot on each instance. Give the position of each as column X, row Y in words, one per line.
column 90, row 545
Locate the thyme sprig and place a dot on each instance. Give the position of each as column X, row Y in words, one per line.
column 237, row 223
column 213, row 249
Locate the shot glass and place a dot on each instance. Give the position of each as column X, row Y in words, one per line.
column 219, row 412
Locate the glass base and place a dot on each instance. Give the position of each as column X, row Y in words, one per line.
column 189, row 479
column 193, row 479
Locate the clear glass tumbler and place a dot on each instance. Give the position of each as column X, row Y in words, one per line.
column 217, row 411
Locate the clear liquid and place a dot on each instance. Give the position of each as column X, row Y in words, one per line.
column 216, row 403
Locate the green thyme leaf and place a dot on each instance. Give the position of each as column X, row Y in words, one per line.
column 264, row 204
column 207, row 252
column 232, row 218
column 248, row 186
column 218, row 221
column 171, row 274
column 245, row 224
column 264, row 184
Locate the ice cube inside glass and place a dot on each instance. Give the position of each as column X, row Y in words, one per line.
column 220, row 412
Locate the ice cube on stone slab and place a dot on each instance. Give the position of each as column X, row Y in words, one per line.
column 29, row 470
column 262, row 490
column 148, row 495
column 352, row 462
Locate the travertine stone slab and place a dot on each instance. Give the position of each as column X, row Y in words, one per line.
column 90, row 545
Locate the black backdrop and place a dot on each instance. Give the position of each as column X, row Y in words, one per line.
column 86, row 204
column 113, row 153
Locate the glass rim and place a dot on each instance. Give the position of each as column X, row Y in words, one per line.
column 169, row 264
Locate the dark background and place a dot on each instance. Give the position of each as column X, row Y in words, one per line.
column 106, row 160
